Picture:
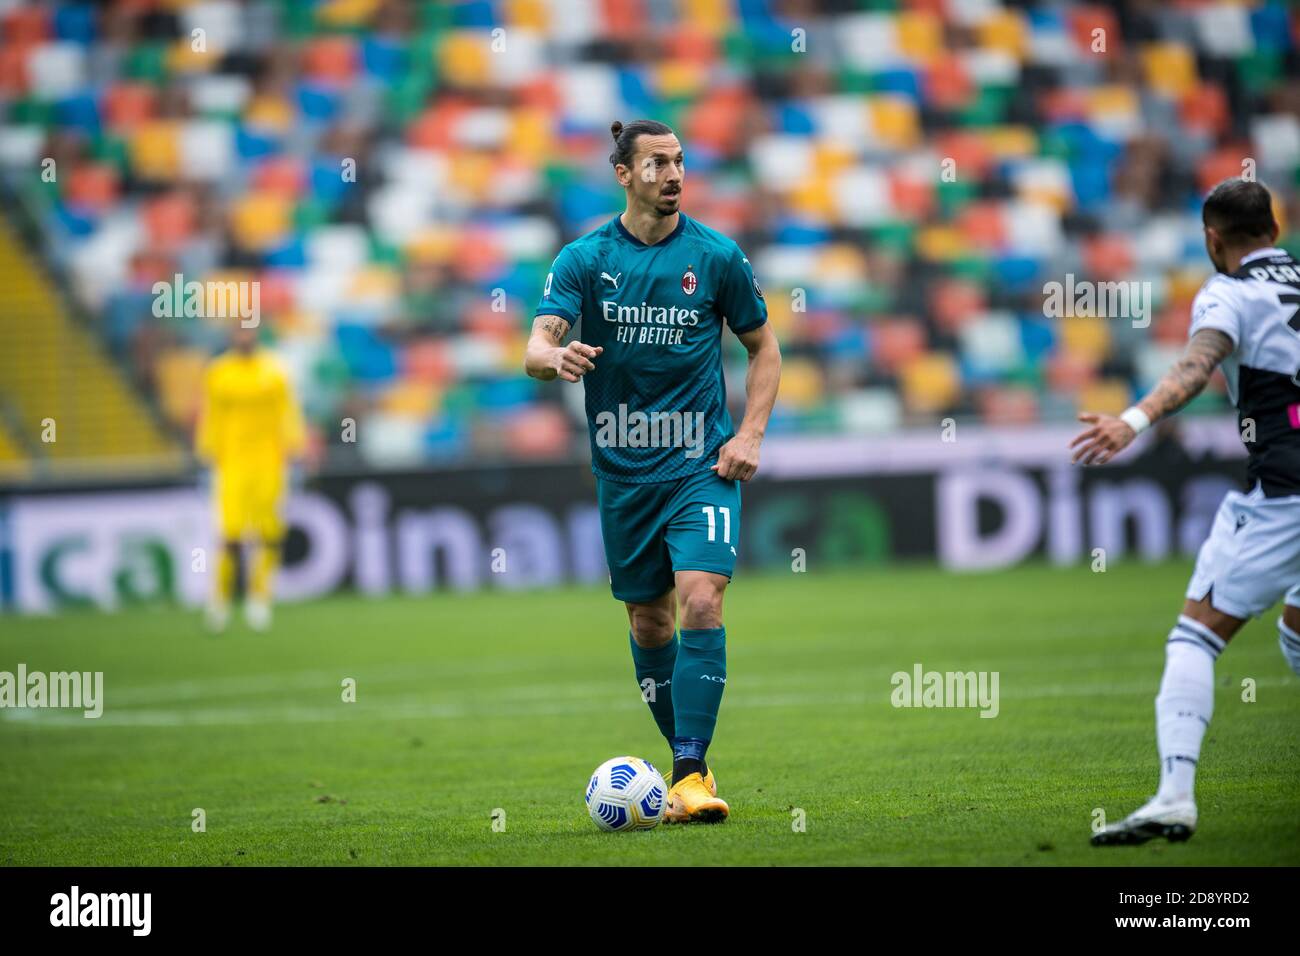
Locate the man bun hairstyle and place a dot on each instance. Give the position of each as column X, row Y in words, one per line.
column 625, row 138
column 1240, row 210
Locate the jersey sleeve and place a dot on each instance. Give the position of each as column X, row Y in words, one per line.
column 562, row 293
column 741, row 299
column 292, row 431
column 1215, row 307
column 205, row 437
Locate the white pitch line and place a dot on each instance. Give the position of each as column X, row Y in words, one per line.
column 534, row 701
column 438, row 679
column 255, row 684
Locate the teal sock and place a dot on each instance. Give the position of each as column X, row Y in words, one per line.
column 698, row 681
column 656, row 664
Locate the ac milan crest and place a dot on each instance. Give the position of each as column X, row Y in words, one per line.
column 689, row 282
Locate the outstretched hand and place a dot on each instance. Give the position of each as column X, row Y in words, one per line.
column 1107, row 437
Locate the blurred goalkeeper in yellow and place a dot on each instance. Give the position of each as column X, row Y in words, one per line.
column 250, row 428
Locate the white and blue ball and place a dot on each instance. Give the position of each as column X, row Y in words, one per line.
column 626, row 793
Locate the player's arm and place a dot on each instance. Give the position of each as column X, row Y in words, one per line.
column 560, row 307
column 545, row 358
column 1109, row 434
column 205, row 435
column 738, row 458
column 292, row 430
column 741, row 300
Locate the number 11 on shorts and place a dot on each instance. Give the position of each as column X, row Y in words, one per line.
column 726, row 523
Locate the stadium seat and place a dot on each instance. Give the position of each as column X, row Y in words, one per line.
column 913, row 185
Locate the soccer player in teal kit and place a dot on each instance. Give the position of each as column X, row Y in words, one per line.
column 653, row 289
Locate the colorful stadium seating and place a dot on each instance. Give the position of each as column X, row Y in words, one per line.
column 398, row 176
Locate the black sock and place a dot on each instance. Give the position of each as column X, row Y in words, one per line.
column 683, row 767
column 688, row 757
column 679, row 769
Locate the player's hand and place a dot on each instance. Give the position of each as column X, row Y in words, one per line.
column 311, row 456
column 737, row 459
column 574, row 360
column 1107, row 437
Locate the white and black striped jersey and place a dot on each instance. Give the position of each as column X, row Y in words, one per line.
column 1258, row 307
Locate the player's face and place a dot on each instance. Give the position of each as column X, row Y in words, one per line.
column 243, row 339
column 656, row 174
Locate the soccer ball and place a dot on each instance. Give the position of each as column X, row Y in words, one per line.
column 626, row 793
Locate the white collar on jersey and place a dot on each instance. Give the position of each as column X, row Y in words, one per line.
column 1262, row 253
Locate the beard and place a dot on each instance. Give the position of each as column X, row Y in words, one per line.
column 667, row 205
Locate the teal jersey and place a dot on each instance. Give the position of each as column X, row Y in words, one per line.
column 656, row 401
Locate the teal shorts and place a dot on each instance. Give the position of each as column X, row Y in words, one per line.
column 655, row 529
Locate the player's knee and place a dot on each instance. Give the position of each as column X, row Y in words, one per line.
column 651, row 626
column 1288, row 638
column 1291, row 616
column 702, row 607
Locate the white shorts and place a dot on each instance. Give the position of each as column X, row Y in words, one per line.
column 1252, row 556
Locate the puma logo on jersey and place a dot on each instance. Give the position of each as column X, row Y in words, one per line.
column 611, row 279
column 1241, row 522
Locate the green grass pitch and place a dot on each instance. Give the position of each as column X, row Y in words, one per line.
column 470, row 706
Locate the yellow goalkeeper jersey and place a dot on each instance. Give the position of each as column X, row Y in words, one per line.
column 250, row 416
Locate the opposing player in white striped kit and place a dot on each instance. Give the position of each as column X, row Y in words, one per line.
column 1246, row 317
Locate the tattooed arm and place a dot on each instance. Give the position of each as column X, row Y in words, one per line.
column 1109, row 435
column 1190, row 374
column 546, row 359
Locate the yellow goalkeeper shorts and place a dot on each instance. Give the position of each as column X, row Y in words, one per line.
column 250, row 501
